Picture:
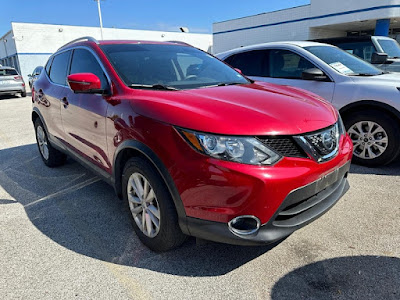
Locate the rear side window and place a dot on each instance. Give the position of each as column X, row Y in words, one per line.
column 84, row 62
column 8, row 72
column 251, row 63
column 58, row 71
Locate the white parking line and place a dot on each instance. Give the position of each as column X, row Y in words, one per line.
column 67, row 190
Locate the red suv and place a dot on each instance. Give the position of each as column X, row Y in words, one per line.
column 191, row 145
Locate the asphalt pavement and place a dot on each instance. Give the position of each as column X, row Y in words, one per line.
column 65, row 235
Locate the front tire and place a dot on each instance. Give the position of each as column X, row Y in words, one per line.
column 50, row 156
column 151, row 207
column 375, row 136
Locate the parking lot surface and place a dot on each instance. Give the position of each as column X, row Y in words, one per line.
column 64, row 234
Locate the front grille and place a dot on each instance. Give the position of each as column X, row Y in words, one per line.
column 324, row 141
column 285, row 146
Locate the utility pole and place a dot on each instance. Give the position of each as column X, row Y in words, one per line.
column 101, row 21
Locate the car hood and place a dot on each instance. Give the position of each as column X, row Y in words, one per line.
column 389, row 79
column 251, row 109
column 392, row 67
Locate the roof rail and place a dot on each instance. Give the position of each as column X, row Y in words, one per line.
column 179, row 42
column 89, row 38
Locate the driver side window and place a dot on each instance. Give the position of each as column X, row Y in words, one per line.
column 84, row 62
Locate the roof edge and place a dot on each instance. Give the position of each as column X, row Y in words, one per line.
column 264, row 13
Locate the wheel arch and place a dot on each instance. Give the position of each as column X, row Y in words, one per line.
column 370, row 105
column 35, row 115
column 133, row 148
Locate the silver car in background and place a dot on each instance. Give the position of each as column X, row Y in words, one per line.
column 368, row 98
column 11, row 82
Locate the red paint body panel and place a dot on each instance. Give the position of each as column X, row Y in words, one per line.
column 93, row 126
column 254, row 109
column 219, row 190
column 83, row 82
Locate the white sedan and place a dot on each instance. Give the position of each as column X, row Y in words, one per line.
column 367, row 98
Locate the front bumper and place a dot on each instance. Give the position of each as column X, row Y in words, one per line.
column 300, row 207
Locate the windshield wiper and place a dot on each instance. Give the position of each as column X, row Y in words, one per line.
column 364, row 74
column 228, row 83
column 154, row 87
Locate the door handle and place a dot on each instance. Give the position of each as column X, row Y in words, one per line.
column 65, row 102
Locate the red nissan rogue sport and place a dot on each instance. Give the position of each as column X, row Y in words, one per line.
column 191, row 145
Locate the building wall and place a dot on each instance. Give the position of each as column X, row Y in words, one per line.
column 34, row 43
column 275, row 31
column 301, row 23
column 8, row 52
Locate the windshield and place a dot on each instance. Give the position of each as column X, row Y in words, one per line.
column 169, row 66
column 342, row 61
column 390, row 47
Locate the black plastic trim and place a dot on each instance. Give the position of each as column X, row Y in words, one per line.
column 163, row 171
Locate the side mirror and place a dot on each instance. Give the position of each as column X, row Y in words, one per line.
column 238, row 70
column 379, row 58
column 314, row 74
column 85, row 83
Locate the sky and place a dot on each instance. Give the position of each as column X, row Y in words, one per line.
column 169, row 15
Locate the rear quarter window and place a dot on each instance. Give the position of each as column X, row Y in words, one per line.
column 48, row 66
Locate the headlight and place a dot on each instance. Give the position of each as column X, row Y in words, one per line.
column 246, row 150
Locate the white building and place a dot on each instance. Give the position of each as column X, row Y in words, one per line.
column 319, row 19
column 27, row 46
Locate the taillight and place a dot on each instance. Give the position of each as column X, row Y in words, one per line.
column 18, row 77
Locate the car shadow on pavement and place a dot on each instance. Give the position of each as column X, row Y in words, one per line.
column 392, row 169
column 352, row 277
column 6, row 97
column 77, row 210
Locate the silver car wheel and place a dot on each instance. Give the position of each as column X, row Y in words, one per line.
column 143, row 205
column 42, row 142
column 370, row 140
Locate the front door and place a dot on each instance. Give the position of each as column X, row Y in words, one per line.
column 83, row 115
column 285, row 67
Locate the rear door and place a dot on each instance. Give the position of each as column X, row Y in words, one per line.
column 285, row 67
column 83, row 115
column 49, row 90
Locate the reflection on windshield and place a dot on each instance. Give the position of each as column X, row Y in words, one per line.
column 343, row 62
column 390, row 47
column 169, row 67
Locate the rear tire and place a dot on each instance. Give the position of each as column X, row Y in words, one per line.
column 50, row 156
column 23, row 94
column 150, row 206
column 375, row 136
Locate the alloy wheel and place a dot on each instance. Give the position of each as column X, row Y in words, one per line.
column 143, row 205
column 42, row 142
column 370, row 140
